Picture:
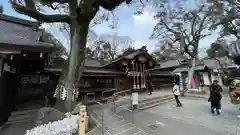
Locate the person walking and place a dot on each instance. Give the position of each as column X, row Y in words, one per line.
column 215, row 97
column 176, row 93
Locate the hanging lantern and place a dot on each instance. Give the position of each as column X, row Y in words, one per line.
column 150, row 63
column 142, row 59
column 124, row 62
column 11, row 57
column 41, row 55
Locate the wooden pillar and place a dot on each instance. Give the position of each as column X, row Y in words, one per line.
column 141, row 76
column 134, row 75
column 144, row 76
column 137, row 70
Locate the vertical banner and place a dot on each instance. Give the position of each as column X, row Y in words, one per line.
column 180, row 80
column 191, row 73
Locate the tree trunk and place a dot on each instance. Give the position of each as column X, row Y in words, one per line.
column 191, row 73
column 73, row 73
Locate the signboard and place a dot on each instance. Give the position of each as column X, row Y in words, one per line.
column 134, row 98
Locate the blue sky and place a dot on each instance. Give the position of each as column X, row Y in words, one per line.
column 137, row 28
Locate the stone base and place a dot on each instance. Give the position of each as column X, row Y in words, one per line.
column 134, row 107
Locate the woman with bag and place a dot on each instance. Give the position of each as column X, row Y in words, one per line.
column 176, row 93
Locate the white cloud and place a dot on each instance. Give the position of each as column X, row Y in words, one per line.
column 143, row 28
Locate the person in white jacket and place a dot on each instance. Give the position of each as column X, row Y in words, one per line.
column 176, row 93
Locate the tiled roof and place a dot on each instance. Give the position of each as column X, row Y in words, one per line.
column 132, row 56
column 92, row 63
column 59, row 63
column 169, row 63
column 20, row 32
column 185, row 69
column 19, row 21
column 101, row 71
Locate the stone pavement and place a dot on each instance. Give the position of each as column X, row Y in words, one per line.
column 112, row 123
column 118, row 125
column 19, row 122
column 193, row 118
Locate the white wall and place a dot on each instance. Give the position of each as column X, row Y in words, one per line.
column 206, row 79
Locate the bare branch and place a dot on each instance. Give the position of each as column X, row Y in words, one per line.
column 194, row 19
column 234, row 30
column 172, row 39
column 31, row 11
column 233, row 3
column 193, row 24
column 54, row 7
column 112, row 4
column 200, row 29
column 168, row 28
column 141, row 2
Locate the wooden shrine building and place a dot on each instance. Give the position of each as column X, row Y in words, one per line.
column 22, row 59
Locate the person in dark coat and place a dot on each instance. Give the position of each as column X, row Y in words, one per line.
column 150, row 84
column 215, row 97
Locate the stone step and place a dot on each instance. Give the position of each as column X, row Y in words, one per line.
column 155, row 104
column 152, row 102
column 149, row 102
column 19, row 117
column 146, row 99
column 20, row 121
column 23, row 112
column 26, row 116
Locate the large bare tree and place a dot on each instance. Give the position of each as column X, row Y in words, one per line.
column 225, row 15
column 189, row 26
column 80, row 14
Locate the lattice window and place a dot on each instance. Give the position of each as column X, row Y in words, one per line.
column 30, row 79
